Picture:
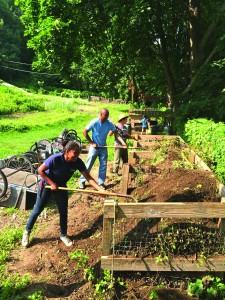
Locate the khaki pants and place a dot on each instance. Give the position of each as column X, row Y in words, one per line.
column 120, row 154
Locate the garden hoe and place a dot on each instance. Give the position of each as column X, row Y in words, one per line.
column 105, row 193
column 122, row 147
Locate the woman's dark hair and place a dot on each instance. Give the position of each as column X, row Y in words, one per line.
column 70, row 145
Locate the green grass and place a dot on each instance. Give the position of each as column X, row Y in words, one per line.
column 19, row 131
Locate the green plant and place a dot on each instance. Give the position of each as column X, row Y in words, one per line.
column 80, row 256
column 196, row 288
column 89, row 274
column 207, row 288
column 201, row 260
column 161, row 258
column 153, row 295
column 11, row 286
column 8, row 238
column 36, row 296
column 107, row 283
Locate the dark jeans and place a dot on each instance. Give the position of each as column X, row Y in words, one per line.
column 61, row 198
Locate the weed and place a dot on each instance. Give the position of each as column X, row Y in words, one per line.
column 161, row 258
column 36, row 296
column 207, row 288
column 106, row 284
column 89, row 274
column 12, row 285
column 10, row 210
column 153, row 295
column 201, row 260
column 80, row 256
column 8, row 238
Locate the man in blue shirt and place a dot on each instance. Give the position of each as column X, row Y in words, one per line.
column 100, row 127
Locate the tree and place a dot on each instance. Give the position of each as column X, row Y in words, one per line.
column 159, row 46
column 12, row 42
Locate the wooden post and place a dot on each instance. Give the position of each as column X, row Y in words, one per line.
column 125, row 178
column 107, row 230
column 221, row 223
column 132, row 158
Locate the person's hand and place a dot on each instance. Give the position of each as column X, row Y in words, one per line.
column 102, row 190
column 54, row 187
column 94, row 145
column 125, row 146
column 134, row 138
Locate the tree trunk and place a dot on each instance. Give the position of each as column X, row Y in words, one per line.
column 165, row 59
column 194, row 78
column 194, row 30
column 212, row 28
column 202, row 61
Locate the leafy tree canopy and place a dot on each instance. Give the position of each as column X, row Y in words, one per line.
column 162, row 49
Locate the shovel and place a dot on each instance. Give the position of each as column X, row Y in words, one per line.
column 105, row 193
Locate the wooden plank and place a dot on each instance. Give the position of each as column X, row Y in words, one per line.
column 143, row 154
column 221, row 190
column 166, row 210
column 176, row 264
column 200, row 163
column 145, row 144
column 125, row 178
column 131, row 158
column 107, row 229
column 221, row 223
column 192, row 157
column 136, row 144
column 155, row 137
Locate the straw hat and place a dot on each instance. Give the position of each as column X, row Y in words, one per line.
column 122, row 116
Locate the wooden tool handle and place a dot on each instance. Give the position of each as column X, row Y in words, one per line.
column 92, row 192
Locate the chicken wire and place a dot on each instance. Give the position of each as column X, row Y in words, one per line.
column 165, row 237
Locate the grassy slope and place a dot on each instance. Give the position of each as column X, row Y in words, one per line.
column 21, row 130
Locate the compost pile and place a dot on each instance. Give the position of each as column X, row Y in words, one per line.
column 49, row 261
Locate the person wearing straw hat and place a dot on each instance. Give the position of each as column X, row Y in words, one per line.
column 120, row 154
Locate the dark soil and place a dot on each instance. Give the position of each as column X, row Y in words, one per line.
column 48, row 260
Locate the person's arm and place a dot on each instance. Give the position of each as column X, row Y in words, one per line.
column 110, row 132
column 120, row 139
column 125, row 132
column 88, row 138
column 41, row 172
column 91, row 180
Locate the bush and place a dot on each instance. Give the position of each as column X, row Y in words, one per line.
column 208, row 138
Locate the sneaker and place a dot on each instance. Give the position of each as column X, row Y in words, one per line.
column 103, row 187
column 81, row 185
column 66, row 240
column 25, row 239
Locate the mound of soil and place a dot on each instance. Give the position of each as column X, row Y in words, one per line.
column 48, row 260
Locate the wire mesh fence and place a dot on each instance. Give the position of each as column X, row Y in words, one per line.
column 167, row 238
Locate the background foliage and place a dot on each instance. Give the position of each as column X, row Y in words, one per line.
column 157, row 52
column 208, row 138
